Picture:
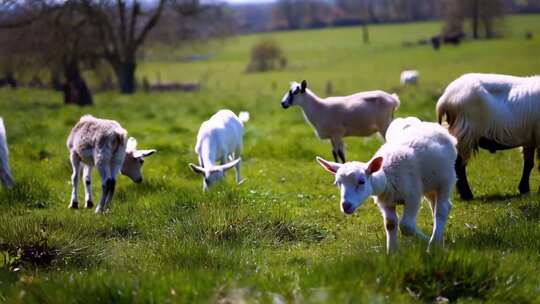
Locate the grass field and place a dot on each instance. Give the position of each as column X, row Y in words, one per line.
column 280, row 236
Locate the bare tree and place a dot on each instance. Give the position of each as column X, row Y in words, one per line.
column 482, row 14
column 122, row 28
column 59, row 40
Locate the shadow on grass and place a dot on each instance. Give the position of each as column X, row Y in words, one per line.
column 498, row 198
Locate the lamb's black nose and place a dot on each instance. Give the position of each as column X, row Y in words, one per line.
column 347, row 207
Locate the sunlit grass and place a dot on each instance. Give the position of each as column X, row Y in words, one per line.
column 280, row 236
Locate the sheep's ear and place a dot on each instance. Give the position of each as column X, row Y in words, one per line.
column 303, row 86
column 375, row 165
column 144, row 153
column 227, row 166
column 197, row 169
column 328, row 165
column 131, row 144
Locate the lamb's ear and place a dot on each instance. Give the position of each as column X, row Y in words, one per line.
column 144, row 153
column 375, row 165
column 328, row 165
column 131, row 144
column 227, row 166
column 303, row 86
column 197, row 169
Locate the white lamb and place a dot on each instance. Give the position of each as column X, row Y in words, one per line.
column 104, row 144
column 493, row 112
column 219, row 141
column 360, row 114
column 5, row 171
column 409, row 77
column 417, row 160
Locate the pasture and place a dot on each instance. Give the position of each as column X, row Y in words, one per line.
column 280, row 237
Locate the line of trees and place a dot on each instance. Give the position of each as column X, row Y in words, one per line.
column 69, row 37
column 294, row 14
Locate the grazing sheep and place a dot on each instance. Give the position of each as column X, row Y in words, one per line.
column 361, row 114
column 409, row 77
column 219, row 140
column 104, row 144
column 417, row 160
column 5, row 172
column 493, row 112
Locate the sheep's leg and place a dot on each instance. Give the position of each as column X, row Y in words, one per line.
column 528, row 165
column 103, row 170
column 115, row 169
column 337, row 149
column 75, row 164
column 87, row 178
column 237, row 170
column 462, row 182
column 334, row 154
column 390, row 225
column 441, row 208
column 407, row 224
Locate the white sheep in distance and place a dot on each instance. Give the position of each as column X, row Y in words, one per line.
column 360, row 114
column 417, row 160
column 493, row 112
column 102, row 143
column 5, row 171
column 409, row 77
column 219, row 142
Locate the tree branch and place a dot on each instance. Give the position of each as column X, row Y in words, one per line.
column 149, row 25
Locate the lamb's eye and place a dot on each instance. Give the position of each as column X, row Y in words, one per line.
column 141, row 161
column 361, row 182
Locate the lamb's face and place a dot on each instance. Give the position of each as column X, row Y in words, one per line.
column 354, row 185
column 212, row 177
column 213, row 174
column 354, row 180
column 294, row 95
column 132, row 167
column 134, row 160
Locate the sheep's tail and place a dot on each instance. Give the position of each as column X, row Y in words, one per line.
column 5, row 172
column 243, row 116
column 397, row 102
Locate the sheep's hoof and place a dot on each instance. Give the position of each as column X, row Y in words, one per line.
column 524, row 189
column 466, row 195
column 89, row 204
column 74, row 205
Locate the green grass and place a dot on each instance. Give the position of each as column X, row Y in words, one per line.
column 280, row 236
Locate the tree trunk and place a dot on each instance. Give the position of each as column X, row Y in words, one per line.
column 75, row 89
column 125, row 75
column 475, row 18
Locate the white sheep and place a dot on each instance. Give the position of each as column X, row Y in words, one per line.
column 5, row 172
column 409, row 77
column 219, row 142
column 417, row 160
column 493, row 112
column 104, row 144
column 360, row 114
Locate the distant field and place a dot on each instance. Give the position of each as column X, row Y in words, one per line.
column 280, row 236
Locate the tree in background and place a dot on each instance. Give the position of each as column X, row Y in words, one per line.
column 122, row 28
column 59, row 41
column 82, row 33
column 292, row 12
column 483, row 14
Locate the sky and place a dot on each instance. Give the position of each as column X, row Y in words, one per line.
column 248, row 1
